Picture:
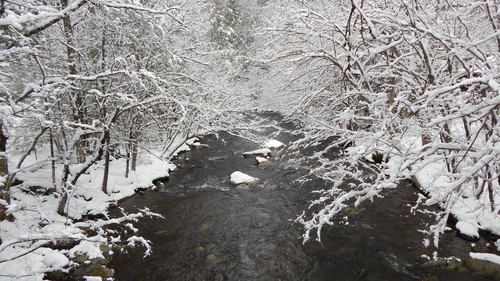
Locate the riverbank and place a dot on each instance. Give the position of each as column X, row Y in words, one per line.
column 39, row 240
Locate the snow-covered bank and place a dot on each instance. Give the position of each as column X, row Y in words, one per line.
column 23, row 255
column 459, row 197
column 471, row 210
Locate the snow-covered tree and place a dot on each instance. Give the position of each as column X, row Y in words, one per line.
column 407, row 90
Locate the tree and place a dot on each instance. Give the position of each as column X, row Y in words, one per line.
column 415, row 84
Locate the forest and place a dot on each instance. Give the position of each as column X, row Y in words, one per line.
column 100, row 98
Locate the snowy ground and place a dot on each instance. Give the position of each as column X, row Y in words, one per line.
column 22, row 255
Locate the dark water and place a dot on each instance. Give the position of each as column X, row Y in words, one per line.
column 215, row 232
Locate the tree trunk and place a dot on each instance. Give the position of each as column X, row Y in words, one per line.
column 134, row 156
column 2, row 7
column 53, row 161
column 127, row 165
column 106, row 166
column 61, row 209
column 75, row 95
column 4, row 165
column 4, row 171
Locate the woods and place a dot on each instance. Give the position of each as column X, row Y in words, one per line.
column 87, row 84
column 93, row 77
column 398, row 90
column 412, row 83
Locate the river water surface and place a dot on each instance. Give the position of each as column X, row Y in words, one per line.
column 213, row 231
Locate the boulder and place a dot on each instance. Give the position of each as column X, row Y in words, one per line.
column 483, row 268
column 274, row 144
column 200, row 145
column 238, row 178
column 211, row 259
column 263, row 162
column 262, row 152
column 103, row 272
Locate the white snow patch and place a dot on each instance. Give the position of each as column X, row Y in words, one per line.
column 54, row 259
column 91, row 249
column 486, row 257
column 180, row 145
column 33, row 264
column 468, row 229
column 261, row 159
column 273, row 144
column 93, row 278
column 239, row 178
column 261, row 151
column 470, row 211
column 192, row 141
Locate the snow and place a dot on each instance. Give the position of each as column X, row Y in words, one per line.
column 468, row 229
column 54, row 259
column 272, row 143
column 469, row 211
column 261, row 151
column 91, row 249
column 36, row 263
column 261, row 160
column 93, row 278
column 36, row 211
column 486, row 257
column 11, row 20
column 239, row 178
column 472, row 213
column 180, row 145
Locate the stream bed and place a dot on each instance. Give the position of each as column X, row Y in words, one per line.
column 213, row 231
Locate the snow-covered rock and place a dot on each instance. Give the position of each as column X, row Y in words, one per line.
column 468, row 230
column 200, row 145
column 262, row 152
column 91, row 249
column 261, row 161
column 272, row 144
column 239, row 178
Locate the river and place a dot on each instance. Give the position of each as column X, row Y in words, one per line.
column 213, row 231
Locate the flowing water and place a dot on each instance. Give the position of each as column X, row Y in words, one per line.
column 213, row 231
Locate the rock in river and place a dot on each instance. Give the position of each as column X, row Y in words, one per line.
column 239, row 178
column 262, row 152
column 263, row 162
column 274, row 144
